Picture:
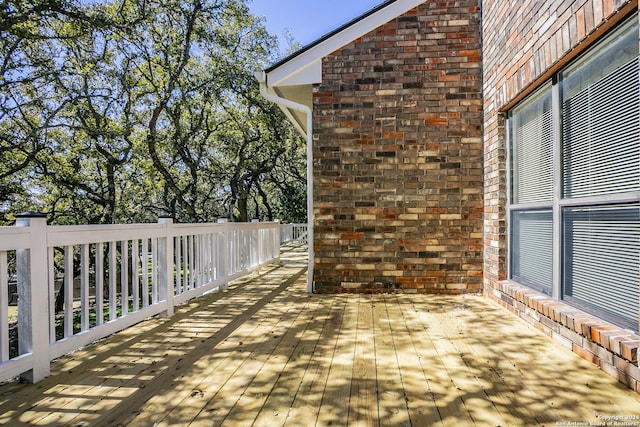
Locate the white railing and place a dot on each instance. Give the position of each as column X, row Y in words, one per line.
column 293, row 233
column 77, row 284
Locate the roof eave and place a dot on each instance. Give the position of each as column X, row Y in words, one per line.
column 304, row 66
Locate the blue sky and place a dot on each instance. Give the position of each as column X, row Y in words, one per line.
column 307, row 20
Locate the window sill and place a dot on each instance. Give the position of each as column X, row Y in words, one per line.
column 572, row 324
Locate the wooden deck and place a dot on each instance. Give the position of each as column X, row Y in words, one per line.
column 264, row 353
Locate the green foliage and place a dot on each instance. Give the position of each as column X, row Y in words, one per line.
column 122, row 110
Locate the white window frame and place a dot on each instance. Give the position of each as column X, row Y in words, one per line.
column 558, row 204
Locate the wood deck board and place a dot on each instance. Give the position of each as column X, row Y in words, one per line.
column 363, row 402
column 198, row 390
column 266, row 364
column 418, row 389
column 512, row 396
column 299, row 344
column 115, row 373
column 189, row 388
column 265, row 353
column 446, row 338
column 506, row 402
column 306, row 403
column 450, row 406
column 336, row 396
column 562, row 385
column 393, row 409
column 185, row 363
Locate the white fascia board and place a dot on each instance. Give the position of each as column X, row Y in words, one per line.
column 288, row 76
column 306, row 68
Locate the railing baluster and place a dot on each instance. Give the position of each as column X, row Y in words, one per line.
column 234, row 250
column 84, row 287
column 193, row 273
column 113, row 283
column 154, row 271
column 203, row 259
column 52, row 295
column 237, row 241
column 124, row 276
column 68, row 291
column 218, row 258
column 197, row 259
column 186, row 274
column 231, row 252
column 206, row 253
column 145, row 272
column 135, row 274
column 215, row 256
column 99, row 283
column 184, row 264
column 256, row 250
column 210, row 255
column 4, row 308
column 178, row 262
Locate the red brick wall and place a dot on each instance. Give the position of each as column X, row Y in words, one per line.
column 398, row 157
column 522, row 45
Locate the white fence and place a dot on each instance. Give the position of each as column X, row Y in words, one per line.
column 293, row 232
column 77, row 284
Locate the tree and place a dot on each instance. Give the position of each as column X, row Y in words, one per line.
column 46, row 57
column 124, row 110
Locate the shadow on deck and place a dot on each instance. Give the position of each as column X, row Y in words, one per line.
column 264, row 352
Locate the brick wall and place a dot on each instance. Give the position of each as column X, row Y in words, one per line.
column 522, row 45
column 398, row 157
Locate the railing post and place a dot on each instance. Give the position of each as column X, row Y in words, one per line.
column 256, row 242
column 165, row 265
column 33, row 296
column 277, row 242
column 225, row 252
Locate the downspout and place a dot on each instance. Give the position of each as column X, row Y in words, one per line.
column 262, row 79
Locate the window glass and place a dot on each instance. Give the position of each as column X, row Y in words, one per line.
column 532, row 249
column 602, row 259
column 598, row 145
column 614, row 51
column 531, row 155
column 601, row 136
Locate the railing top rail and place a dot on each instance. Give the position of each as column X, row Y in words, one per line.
column 263, row 224
column 179, row 229
column 93, row 227
column 63, row 235
column 12, row 238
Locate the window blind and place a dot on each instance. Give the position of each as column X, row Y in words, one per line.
column 532, row 249
column 602, row 260
column 601, row 136
column 532, row 150
column 598, row 144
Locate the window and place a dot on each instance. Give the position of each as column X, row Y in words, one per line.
column 574, row 155
column 532, row 249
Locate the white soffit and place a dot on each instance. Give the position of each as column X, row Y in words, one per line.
column 306, row 66
column 300, row 95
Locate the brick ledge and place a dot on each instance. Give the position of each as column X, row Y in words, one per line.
column 613, row 349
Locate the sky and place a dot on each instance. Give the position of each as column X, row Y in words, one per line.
column 307, row 20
